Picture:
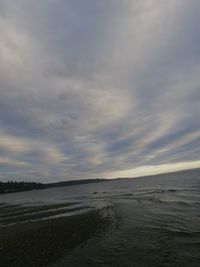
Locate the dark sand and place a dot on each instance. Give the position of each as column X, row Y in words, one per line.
column 43, row 242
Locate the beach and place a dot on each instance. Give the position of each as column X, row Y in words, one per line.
column 145, row 222
column 42, row 242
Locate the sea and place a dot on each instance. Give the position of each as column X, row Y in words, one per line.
column 155, row 220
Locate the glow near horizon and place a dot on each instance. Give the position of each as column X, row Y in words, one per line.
column 151, row 170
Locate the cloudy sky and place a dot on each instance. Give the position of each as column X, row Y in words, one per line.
column 98, row 88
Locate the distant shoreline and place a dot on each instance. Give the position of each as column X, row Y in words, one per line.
column 14, row 187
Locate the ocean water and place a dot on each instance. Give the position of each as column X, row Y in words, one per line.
column 155, row 220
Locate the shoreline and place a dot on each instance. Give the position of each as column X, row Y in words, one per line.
column 45, row 242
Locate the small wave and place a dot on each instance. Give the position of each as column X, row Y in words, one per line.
column 172, row 190
column 39, row 213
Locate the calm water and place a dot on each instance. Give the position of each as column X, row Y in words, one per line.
column 156, row 220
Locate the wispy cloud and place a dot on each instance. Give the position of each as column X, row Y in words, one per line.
column 90, row 88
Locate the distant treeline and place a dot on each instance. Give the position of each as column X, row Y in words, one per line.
column 11, row 187
column 75, row 182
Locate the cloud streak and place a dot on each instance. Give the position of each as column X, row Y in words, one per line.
column 96, row 88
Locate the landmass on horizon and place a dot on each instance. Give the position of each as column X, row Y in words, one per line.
column 14, row 186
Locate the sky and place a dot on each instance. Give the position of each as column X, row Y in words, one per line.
column 93, row 88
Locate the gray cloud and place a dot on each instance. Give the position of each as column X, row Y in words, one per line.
column 88, row 88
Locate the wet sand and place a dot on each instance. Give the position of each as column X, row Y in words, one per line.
column 43, row 242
